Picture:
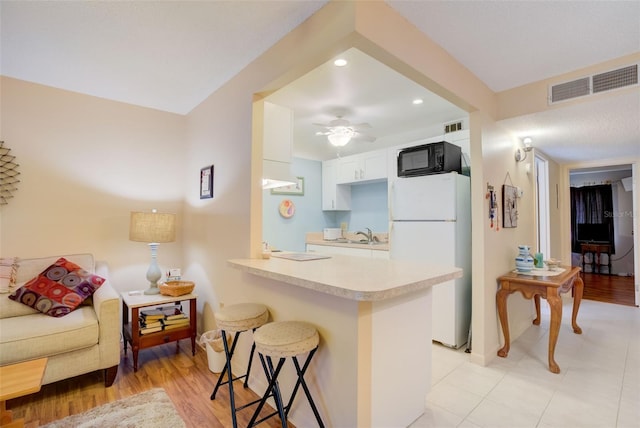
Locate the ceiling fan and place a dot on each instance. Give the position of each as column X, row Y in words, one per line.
column 340, row 131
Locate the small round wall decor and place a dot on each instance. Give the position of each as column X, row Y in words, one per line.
column 287, row 209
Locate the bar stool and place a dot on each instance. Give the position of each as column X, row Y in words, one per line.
column 236, row 319
column 281, row 340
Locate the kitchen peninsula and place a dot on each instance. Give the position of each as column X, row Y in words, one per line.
column 374, row 360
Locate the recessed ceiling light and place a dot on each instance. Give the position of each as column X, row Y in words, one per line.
column 340, row 62
column 417, row 101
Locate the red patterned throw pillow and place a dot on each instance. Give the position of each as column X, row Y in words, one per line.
column 59, row 289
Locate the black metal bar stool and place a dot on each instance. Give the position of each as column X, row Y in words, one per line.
column 281, row 340
column 237, row 319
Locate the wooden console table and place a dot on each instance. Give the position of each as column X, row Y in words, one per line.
column 17, row 380
column 549, row 287
column 596, row 250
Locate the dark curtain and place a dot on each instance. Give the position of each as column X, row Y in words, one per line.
column 591, row 205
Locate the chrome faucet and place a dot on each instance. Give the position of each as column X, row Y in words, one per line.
column 368, row 234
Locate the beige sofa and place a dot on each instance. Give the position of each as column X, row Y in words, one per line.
column 83, row 341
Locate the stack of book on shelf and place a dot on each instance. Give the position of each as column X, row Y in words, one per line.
column 162, row 318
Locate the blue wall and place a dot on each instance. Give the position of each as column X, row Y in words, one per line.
column 368, row 209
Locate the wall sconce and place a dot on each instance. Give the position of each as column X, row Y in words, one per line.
column 521, row 153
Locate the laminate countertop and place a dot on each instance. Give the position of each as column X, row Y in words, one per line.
column 350, row 277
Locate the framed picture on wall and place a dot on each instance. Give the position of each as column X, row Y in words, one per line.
column 509, row 206
column 293, row 189
column 206, row 182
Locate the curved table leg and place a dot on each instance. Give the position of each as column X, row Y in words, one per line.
column 501, row 302
column 536, row 300
column 578, row 289
column 555, row 305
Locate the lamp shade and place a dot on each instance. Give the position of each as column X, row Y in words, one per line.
column 152, row 227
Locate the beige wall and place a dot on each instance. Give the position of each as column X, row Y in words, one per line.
column 85, row 163
column 494, row 248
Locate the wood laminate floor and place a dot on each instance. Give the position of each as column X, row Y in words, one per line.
column 609, row 288
column 186, row 380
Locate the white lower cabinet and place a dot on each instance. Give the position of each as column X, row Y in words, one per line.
column 348, row 251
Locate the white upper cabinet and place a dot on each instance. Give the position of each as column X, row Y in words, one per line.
column 278, row 133
column 363, row 167
column 335, row 197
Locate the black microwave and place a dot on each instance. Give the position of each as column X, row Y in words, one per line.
column 433, row 158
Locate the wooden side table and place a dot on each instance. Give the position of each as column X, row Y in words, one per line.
column 131, row 330
column 17, row 380
column 549, row 287
column 596, row 250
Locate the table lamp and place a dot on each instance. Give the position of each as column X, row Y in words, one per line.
column 154, row 228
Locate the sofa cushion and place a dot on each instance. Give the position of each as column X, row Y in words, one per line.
column 10, row 308
column 59, row 289
column 28, row 268
column 37, row 335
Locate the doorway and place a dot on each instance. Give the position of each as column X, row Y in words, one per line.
column 608, row 276
column 542, row 205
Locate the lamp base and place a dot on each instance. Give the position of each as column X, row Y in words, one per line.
column 153, row 273
column 152, row 290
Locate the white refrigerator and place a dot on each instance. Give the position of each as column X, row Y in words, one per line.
column 431, row 222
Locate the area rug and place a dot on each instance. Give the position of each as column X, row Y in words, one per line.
column 149, row 409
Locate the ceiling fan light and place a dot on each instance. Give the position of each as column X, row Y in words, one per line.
column 338, row 140
column 340, row 136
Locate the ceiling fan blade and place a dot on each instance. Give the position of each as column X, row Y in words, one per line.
column 339, row 122
column 361, row 125
column 364, row 137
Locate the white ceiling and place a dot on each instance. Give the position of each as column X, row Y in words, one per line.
column 172, row 55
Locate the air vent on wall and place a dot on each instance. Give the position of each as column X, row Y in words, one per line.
column 568, row 90
column 614, row 79
column 452, row 127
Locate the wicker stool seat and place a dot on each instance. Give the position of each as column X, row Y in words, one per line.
column 242, row 317
column 282, row 340
column 236, row 319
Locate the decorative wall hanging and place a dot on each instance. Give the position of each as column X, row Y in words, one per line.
column 287, row 209
column 494, row 218
column 509, row 206
column 8, row 174
column 206, row 182
column 292, row 189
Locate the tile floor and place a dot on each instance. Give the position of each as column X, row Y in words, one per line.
column 598, row 386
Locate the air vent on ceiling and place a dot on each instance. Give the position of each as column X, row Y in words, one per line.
column 614, row 79
column 452, row 127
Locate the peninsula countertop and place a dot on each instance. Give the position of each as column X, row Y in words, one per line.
column 350, row 277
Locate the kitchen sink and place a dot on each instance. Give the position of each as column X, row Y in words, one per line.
column 359, row 242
